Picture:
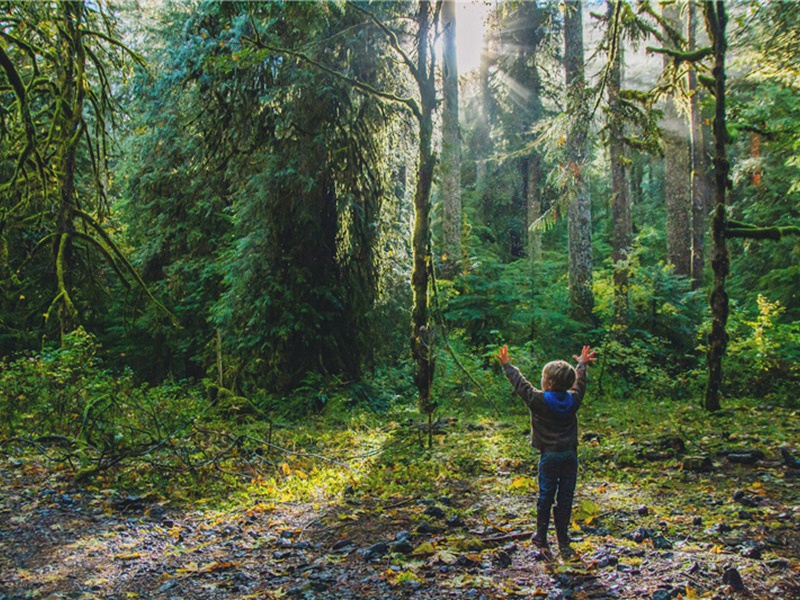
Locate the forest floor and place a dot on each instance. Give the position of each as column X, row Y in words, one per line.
column 451, row 522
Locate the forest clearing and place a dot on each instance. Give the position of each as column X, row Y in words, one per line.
column 280, row 283
column 402, row 521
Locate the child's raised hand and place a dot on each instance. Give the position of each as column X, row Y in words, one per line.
column 587, row 355
column 503, row 356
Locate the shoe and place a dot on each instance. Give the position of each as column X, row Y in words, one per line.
column 540, row 541
column 561, row 519
column 542, row 523
column 566, row 551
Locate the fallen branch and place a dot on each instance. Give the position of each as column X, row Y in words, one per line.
column 41, row 448
column 402, row 503
column 510, row 537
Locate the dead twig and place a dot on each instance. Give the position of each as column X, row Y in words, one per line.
column 41, row 448
column 510, row 537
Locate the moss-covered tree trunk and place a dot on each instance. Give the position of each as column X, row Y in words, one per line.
column 421, row 334
column 718, row 338
column 72, row 62
column 620, row 198
column 579, row 213
column 451, row 146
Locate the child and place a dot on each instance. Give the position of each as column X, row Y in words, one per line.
column 554, row 431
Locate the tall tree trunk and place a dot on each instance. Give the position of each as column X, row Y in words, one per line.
column 716, row 21
column 451, row 146
column 533, row 193
column 700, row 182
column 580, row 208
column 530, row 36
column 677, row 178
column 73, row 94
column 483, row 130
column 421, row 333
column 637, row 177
column 620, row 200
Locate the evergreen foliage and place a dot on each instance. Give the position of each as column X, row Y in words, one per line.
column 269, row 179
column 251, row 167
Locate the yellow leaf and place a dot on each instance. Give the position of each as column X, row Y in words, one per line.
column 424, row 549
column 398, row 577
column 190, row 567
column 131, row 556
column 474, row 557
column 262, row 507
column 690, row 594
column 586, row 511
column 287, row 470
column 217, row 566
column 521, row 483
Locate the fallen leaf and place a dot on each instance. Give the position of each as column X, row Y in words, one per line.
column 445, row 556
column 423, row 549
column 132, row 556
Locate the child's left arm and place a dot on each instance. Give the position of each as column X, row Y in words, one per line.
column 587, row 356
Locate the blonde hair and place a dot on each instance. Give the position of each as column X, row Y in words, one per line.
column 560, row 374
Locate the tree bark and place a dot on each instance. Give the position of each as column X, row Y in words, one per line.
column 73, row 94
column 529, row 38
column 700, row 182
column 718, row 338
column 580, row 211
column 620, row 197
column 421, row 334
column 677, row 178
column 534, row 202
column 451, row 146
column 483, row 146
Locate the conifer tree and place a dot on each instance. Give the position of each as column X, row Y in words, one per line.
column 575, row 185
column 451, row 146
column 620, row 197
column 677, row 173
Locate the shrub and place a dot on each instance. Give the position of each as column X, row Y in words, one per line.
column 763, row 352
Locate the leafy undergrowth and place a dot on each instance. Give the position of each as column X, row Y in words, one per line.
column 671, row 503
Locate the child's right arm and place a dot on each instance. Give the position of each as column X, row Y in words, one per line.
column 521, row 386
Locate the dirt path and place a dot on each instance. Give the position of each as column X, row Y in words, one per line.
column 58, row 542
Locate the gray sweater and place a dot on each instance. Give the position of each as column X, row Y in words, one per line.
column 549, row 431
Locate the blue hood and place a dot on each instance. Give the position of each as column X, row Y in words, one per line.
column 560, row 404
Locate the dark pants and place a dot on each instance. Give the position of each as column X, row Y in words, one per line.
column 558, row 473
